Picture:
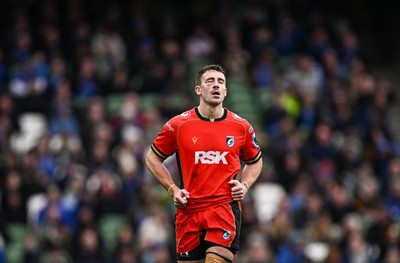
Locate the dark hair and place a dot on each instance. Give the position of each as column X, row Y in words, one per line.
column 207, row 68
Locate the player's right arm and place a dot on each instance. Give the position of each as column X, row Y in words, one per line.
column 157, row 168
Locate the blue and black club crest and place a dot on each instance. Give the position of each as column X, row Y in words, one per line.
column 230, row 141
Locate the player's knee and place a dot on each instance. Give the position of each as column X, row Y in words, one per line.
column 214, row 257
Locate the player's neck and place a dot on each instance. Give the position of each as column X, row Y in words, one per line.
column 211, row 112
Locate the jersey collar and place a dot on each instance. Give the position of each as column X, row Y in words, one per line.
column 211, row 120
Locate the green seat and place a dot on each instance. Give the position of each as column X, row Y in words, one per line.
column 264, row 98
column 113, row 104
column 15, row 246
column 148, row 101
column 109, row 226
column 241, row 98
column 61, row 255
column 177, row 102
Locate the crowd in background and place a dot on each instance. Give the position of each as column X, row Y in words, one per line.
column 86, row 85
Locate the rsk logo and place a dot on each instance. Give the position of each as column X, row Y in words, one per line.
column 210, row 157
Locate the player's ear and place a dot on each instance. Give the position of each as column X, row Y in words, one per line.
column 197, row 89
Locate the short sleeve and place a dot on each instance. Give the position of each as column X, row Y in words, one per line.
column 251, row 151
column 164, row 145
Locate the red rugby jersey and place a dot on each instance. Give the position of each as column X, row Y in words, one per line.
column 208, row 154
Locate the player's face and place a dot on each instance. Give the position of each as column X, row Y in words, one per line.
column 213, row 87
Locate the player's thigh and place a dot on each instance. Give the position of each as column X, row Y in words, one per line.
column 221, row 253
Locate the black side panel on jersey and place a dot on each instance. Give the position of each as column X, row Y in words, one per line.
column 178, row 162
column 238, row 222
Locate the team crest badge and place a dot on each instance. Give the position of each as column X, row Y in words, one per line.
column 226, row 234
column 230, row 141
column 255, row 142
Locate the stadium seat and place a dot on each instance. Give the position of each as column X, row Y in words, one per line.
column 15, row 246
column 113, row 104
column 109, row 226
column 148, row 101
column 264, row 97
column 56, row 256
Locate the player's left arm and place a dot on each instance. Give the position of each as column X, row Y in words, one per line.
column 250, row 174
column 251, row 155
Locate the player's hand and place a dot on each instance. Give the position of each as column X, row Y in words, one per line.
column 181, row 198
column 238, row 190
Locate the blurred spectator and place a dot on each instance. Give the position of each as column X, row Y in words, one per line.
column 128, row 255
column 29, row 86
column 264, row 71
column 319, row 42
column 155, row 81
column 126, row 248
column 118, row 82
column 62, row 119
column 32, row 249
column 259, row 250
column 358, row 250
column 349, row 48
column 367, row 199
column 88, row 249
column 87, row 85
column 261, row 39
column 92, row 117
column 23, row 45
column 305, row 77
column 178, row 78
column 105, row 192
column 171, row 52
column 322, row 153
column 333, row 67
column 291, row 170
column 338, row 202
column 310, row 212
column 57, row 72
column 289, row 35
column 7, row 121
column 108, row 49
column 392, row 198
column 13, row 198
column 46, row 161
column 154, row 235
column 5, row 131
column 33, row 179
column 199, row 43
column 281, row 227
column 57, row 219
column 52, row 37
column 377, row 233
column 235, row 59
column 392, row 255
column 100, row 157
column 128, row 157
